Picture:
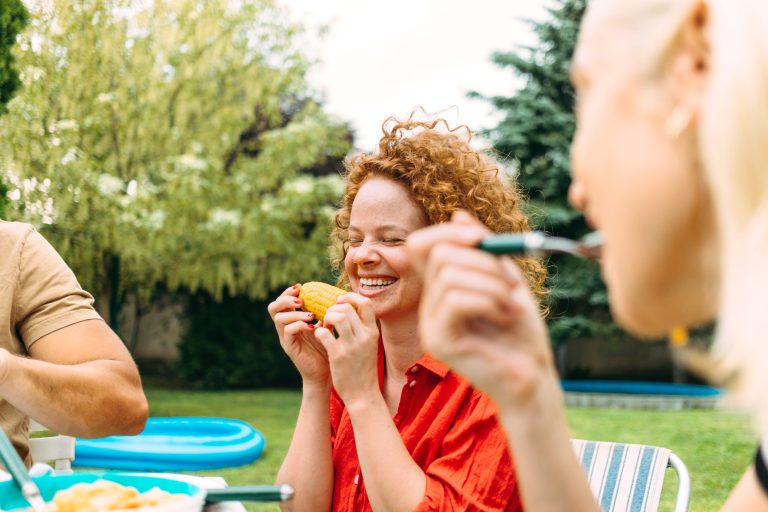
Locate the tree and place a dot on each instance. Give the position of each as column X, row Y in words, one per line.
column 171, row 143
column 13, row 18
column 535, row 134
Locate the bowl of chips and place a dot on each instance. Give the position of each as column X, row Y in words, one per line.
column 113, row 492
column 133, row 492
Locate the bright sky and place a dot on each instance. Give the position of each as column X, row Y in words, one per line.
column 380, row 58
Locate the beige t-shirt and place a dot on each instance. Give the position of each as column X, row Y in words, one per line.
column 39, row 294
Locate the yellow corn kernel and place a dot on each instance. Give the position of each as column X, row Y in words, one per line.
column 318, row 297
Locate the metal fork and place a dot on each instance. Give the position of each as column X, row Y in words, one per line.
column 537, row 243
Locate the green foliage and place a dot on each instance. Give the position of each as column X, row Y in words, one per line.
column 13, row 18
column 535, row 133
column 232, row 344
column 173, row 144
column 3, row 198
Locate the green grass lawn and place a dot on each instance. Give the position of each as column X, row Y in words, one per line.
column 715, row 445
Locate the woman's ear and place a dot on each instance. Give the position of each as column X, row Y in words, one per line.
column 687, row 73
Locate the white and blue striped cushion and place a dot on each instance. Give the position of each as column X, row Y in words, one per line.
column 624, row 477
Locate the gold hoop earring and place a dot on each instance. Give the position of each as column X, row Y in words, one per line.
column 677, row 122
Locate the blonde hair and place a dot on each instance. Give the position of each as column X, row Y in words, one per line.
column 732, row 136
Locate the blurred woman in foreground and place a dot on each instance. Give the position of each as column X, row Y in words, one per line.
column 670, row 162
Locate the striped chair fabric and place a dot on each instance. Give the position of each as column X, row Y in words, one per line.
column 629, row 477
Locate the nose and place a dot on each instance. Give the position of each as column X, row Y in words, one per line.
column 365, row 253
column 577, row 196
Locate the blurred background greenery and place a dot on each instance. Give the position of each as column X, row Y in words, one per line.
column 177, row 157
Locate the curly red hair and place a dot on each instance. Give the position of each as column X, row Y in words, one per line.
column 443, row 174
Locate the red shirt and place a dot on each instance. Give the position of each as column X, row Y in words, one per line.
column 452, row 433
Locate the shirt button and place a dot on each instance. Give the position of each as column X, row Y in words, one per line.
column 412, row 383
column 357, row 478
column 415, row 369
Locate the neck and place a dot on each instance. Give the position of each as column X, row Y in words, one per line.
column 401, row 343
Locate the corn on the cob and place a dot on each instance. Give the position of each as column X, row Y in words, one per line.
column 318, row 297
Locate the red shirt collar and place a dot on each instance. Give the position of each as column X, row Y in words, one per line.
column 433, row 365
column 426, row 361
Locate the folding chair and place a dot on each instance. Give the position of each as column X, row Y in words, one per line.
column 629, row 477
column 57, row 450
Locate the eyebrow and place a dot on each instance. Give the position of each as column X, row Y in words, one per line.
column 385, row 227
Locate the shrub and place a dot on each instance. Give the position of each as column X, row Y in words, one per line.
column 232, row 344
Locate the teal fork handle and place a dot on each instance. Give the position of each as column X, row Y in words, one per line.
column 18, row 471
column 504, row 244
column 250, row 493
column 12, row 461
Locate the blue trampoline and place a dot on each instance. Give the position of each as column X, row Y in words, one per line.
column 175, row 444
column 639, row 388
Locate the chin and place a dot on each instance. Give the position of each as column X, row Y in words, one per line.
column 641, row 327
column 658, row 320
column 645, row 319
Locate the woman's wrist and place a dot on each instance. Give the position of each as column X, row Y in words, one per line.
column 316, row 387
column 541, row 405
column 363, row 403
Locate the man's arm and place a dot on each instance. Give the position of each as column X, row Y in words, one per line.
column 79, row 380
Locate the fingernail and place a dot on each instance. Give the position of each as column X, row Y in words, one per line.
column 296, row 285
column 311, row 326
column 297, row 302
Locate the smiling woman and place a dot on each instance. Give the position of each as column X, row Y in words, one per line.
column 402, row 431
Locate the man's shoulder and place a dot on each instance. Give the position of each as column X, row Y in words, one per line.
column 12, row 233
column 14, row 230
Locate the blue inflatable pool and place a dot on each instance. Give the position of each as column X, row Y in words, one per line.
column 175, row 444
column 639, row 388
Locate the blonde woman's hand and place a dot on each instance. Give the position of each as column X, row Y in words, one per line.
column 353, row 354
column 296, row 333
column 477, row 313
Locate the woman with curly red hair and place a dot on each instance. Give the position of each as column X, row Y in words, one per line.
column 402, row 431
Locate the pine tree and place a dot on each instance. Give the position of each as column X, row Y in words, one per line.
column 535, row 135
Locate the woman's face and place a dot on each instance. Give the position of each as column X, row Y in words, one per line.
column 643, row 188
column 383, row 215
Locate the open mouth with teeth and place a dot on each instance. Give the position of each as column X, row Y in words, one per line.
column 378, row 283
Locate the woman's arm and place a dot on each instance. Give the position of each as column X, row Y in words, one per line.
column 544, row 455
column 478, row 315
column 394, row 482
column 308, row 465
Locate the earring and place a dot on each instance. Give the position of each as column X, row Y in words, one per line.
column 677, row 122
